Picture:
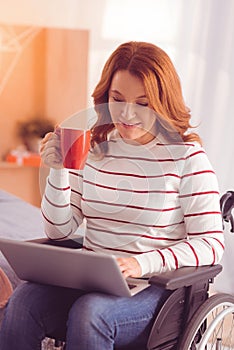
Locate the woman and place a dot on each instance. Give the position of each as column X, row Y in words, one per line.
column 148, row 195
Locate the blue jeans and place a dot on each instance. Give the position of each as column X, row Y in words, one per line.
column 92, row 320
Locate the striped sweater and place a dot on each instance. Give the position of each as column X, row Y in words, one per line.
column 158, row 202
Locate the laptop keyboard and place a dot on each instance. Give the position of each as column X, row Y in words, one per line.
column 68, row 243
column 131, row 286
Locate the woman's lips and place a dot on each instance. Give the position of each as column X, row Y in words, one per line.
column 129, row 125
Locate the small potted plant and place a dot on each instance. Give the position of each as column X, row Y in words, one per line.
column 31, row 132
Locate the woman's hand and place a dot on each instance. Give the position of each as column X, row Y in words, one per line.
column 129, row 267
column 50, row 150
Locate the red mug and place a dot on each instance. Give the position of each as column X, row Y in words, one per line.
column 75, row 145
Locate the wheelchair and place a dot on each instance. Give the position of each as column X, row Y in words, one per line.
column 192, row 317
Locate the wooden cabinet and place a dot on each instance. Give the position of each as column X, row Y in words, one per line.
column 21, row 181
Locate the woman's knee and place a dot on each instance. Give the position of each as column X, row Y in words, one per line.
column 18, row 316
column 89, row 323
column 19, row 300
column 91, row 308
column 28, row 299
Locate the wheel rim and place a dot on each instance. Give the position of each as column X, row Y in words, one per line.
column 212, row 325
column 216, row 336
column 216, row 333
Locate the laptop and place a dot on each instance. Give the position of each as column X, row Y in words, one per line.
column 65, row 264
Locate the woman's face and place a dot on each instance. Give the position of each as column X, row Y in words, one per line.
column 129, row 108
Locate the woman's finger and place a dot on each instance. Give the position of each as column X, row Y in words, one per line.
column 50, row 151
column 129, row 267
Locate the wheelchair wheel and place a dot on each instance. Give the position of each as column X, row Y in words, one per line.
column 212, row 326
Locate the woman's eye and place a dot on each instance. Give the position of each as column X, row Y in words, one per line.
column 116, row 99
column 144, row 104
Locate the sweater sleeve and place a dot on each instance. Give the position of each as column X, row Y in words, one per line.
column 199, row 201
column 61, row 203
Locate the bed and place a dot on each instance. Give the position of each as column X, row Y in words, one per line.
column 18, row 220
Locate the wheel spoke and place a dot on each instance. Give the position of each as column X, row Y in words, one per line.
column 212, row 327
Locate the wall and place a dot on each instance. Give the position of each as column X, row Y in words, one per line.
column 49, row 80
column 67, row 67
column 22, row 97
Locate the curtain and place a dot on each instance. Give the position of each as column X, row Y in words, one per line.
column 205, row 60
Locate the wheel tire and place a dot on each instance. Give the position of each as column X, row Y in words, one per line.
column 196, row 328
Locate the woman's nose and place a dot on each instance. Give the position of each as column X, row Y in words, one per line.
column 128, row 110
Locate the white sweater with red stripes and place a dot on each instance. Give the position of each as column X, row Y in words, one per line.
column 158, row 202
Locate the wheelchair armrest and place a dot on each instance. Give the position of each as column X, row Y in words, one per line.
column 185, row 276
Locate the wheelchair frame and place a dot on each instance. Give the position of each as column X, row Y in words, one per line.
column 189, row 286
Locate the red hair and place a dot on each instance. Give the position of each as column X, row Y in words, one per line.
column 162, row 87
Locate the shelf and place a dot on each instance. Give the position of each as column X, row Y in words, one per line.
column 26, row 159
column 8, row 165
